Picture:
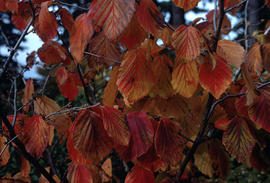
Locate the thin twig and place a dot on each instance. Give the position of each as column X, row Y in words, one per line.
column 215, row 16
column 14, row 102
column 13, row 51
column 246, row 27
column 86, row 89
column 7, row 144
column 44, row 85
column 49, row 158
column 236, row 6
column 71, row 5
column 185, row 137
column 105, row 58
column 4, row 36
column 221, row 17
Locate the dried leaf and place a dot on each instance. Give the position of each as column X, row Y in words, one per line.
column 5, row 156
column 186, row 4
column 107, row 168
column 28, row 92
column 254, row 58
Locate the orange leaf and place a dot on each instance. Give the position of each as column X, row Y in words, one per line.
column 149, row 17
column 37, row 135
column 115, row 125
column 111, row 89
column 67, row 83
column 185, row 78
column 113, row 16
column 169, row 145
column 5, row 156
column 238, row 140
column 230, row 51
column 80, row 35
column 89, row 136
column 107, row 167
column 142, row 133
column 215, row 80
column 61, row 122
column 186, row 41
column 254, row 58
column 133, row 35
column 138, row 174
column 28, row 92
column 222, row 124
column 135, row 77
column 100, row 45
column 258, row 110
column 52, row 53
column 186, row 4
column 46, row 24
column 79, row 173
column 66, row 19
column 226, row 23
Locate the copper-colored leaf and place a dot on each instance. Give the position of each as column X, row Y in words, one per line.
column 222, row 124
column 186, row 41
column 12, row 5
column 66, row 19
column 80, row 35
column 107, row 168
column 215, row 80
column 230, row 51
column 79, row 173
column 186, row 4
column 52, row 53
column 135, row 77
column 169, row 144
column 46, row 24
column 37, row 135
column 238, row 140
column 27, row 93
column 185, row 78
column 45, row 106
column 5, row 156
column 89, row 135
column 115, row 125
column 149, row 17
column 113, row 16
column 3, row 7
column 133, row 35
column 142, row 132
column 67, row 83
column 226, row 23
column 259, row 110
column 265, row 49
column 138, row 174
column 21, row 19
column 254, row 58
column 101, row 45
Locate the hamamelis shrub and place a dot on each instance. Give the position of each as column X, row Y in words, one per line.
column 165, row 117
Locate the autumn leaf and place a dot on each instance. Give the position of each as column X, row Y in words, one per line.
column 115, row 125
column 149, row 17
column 3, row 7
column 80, row 35
column 142, row 133
column 138, row 174
column 265, row 49
column 46, row 24
column 254, row 58
column 186, row 41
column 12, row 5
column 5, row 156
column 215, row 80
column 107, row 167
column 21, row 19
column 230, row 51
column 66, row 19
column 79, row 173
column 89, row 135
column 28, row 92
column 186, row 4
column 113, row 16
column 222, row 124
column 37, row 135
column 168, row 143
column 185, row 78
column 135, row 77
column 238, row 140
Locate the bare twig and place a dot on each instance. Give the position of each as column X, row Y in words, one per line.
column 246, row 27
column 7, row 144
column 236, row 6
column 49, row 158
column 44, row 85
column 4, row 36
column 105, row 58
column 86, row 89
column 185, row 137
column 71, row 5
column 215, row 16
column 15, row 102
column 221, row 16
column 13, row 51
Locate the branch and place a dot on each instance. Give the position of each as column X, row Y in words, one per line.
column 86, row 89
column 105, row 58
column 14, row 102
column 221, row 16
column 71, row 5
column 4, row 36
column 21, row 147
column 11, row 140
column 236, row 6
column 13, row 51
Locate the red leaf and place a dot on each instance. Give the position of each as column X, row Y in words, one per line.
column 21, row 19
column 186, row 41
column 28, row 92
column 3, row 7
column 138, row 174
column 142, row 133
column 79, row 173
column 37, row 135
column 186, row 4
column 215, row 80
column 149, row 17
column 254, row 59
column 169, row 145
column 12, row 5
column 113, row 16
column 259, row 110
column 66, row 83
column 46, row 24
column 52, row 53
column 80, row 35
column 185, row 78
column 66, row 19
column 89, row 136
column 135, row 77
column 116, row 126
column 238, row 140
column 222, row 124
